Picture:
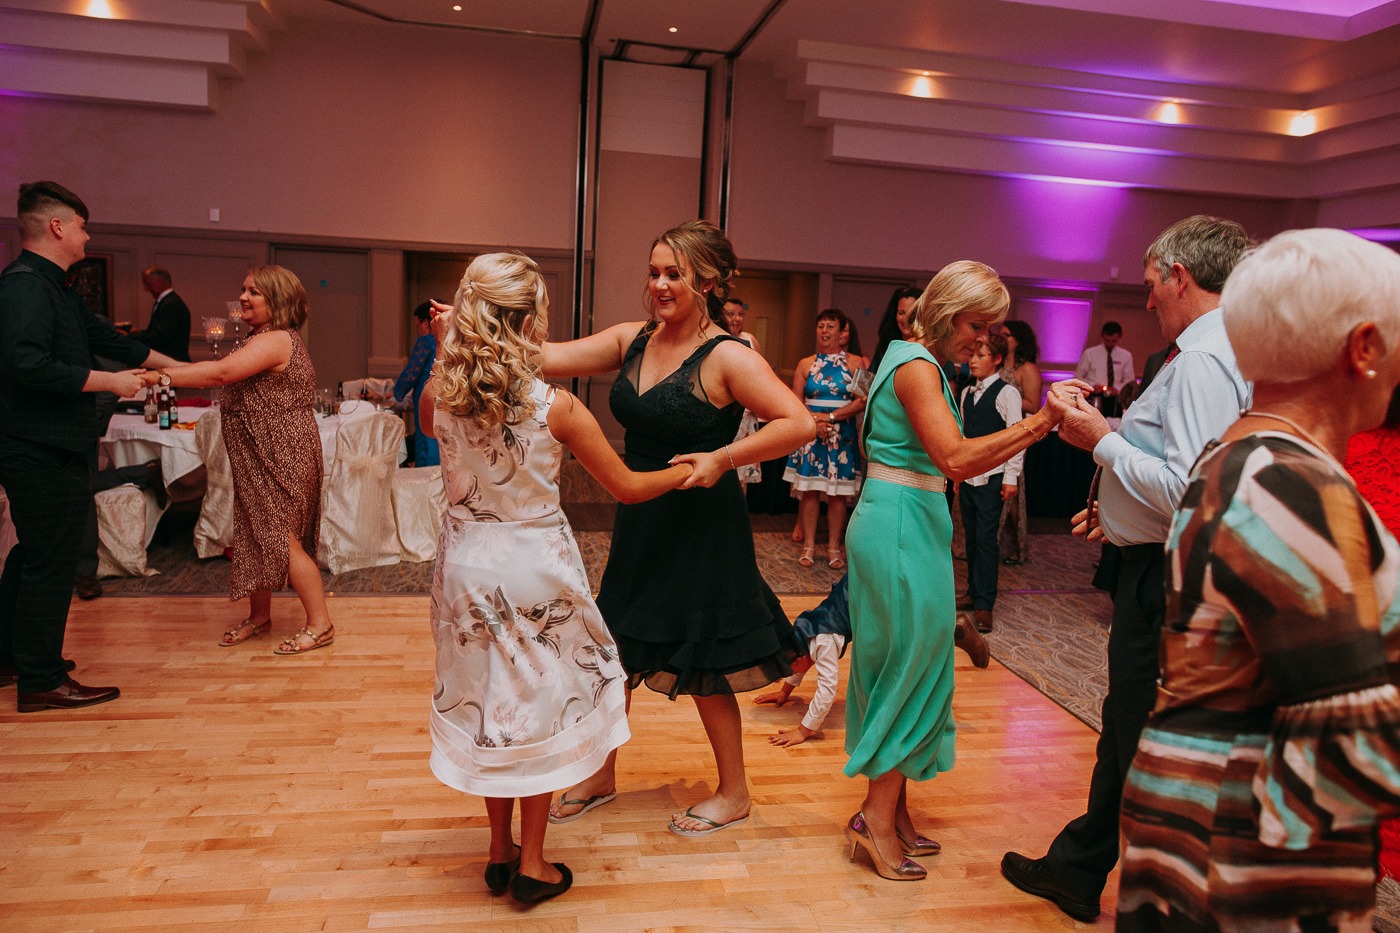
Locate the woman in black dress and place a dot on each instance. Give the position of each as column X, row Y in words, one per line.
column 681, row 593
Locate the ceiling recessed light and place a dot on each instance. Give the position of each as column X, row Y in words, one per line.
column 673, row 29
column 456, row 8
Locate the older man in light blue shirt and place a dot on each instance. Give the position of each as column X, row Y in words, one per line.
column 1144, row 470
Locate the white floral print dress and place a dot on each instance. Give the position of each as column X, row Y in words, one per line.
column 529, row 695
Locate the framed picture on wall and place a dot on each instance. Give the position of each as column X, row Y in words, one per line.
column 92, row 279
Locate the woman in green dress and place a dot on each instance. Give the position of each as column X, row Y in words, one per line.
column 899, row 722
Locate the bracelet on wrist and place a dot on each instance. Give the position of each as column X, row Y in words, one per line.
column 730, row 455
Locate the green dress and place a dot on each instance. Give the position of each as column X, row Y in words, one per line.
column 899, row 696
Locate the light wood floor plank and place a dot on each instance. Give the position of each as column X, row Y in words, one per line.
column 230, row 789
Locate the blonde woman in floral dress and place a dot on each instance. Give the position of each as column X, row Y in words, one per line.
column 530, row 694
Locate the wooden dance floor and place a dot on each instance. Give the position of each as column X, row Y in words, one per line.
column 229, row 789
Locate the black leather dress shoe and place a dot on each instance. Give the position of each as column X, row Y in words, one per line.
column 68, row 695
column 529, row 890
column 87, row 588
column 8, row 675
column 1034, row 876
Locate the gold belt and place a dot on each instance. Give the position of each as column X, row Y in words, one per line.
column 891, row 474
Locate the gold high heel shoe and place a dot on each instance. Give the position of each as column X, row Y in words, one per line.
column 859, row 835
column 919, row 846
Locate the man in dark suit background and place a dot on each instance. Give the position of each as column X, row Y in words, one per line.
column 48, row 440
column 169, row 329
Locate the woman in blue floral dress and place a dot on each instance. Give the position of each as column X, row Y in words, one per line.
column 830, row 465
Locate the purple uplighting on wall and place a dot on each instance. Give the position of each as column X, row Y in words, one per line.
column 1061, row 326
column 1068, row 222
column 1387, row 235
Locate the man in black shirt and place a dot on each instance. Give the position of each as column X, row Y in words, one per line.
column 48, row 440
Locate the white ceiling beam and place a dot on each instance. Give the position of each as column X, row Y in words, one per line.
column 944, row 117
column 66, row 75
column 230, row 15
column 117, row 38
column 1103, row 105
column 1102, row 165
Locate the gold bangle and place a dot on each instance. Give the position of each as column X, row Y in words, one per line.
column 1028, row 429
column 729, row 454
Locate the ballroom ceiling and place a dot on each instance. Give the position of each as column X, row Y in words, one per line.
column 1291, row 98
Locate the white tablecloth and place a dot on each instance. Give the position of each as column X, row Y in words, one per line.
column 130, row 441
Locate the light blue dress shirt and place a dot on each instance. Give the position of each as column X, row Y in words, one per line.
column 1147, row 461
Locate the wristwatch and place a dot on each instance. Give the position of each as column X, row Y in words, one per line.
column 165, row 379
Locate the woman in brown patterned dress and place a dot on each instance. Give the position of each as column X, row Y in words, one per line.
column 275, row 450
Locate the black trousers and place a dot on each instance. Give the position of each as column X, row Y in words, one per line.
column 981, row 514
column 50, row 492
column 1086, row 850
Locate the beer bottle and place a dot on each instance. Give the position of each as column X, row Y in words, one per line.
column 174, row 407
column 163, row 409
column 150, row 407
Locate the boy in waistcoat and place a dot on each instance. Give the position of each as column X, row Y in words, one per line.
column 988, row 406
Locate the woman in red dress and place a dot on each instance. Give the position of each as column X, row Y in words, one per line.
column 1373, row 460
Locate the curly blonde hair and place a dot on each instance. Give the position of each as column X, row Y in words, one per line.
column 489, row 356
column 960, row 287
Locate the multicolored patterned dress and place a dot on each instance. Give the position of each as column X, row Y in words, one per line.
column 530, row 691
column 1275, row 746
column 274, row 449
column 831, row 465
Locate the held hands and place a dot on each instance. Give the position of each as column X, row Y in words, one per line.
column 1080, row 423
column 708, row 468
column 128, row 382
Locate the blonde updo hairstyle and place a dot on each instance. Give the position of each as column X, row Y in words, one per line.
column 961, row 287
column 705, row 249
column 285, row 296
column 489, row 356
column 1291, row 304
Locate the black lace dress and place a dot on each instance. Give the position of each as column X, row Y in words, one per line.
column 681, row 593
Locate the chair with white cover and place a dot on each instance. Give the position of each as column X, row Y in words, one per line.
column 8, row 539
column 420, row 500
column 357, row 509
column 121, row 531
column 213, row 533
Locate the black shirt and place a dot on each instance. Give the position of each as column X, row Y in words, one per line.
column 47, row 341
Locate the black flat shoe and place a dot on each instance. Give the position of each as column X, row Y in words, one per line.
column 498, row 874
column 529, row 890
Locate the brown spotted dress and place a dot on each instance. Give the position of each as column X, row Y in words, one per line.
column 274, row 449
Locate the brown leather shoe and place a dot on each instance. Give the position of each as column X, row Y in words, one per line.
column 966, row 637
column 982, row 618
column 68, row 695
column 87, row 588
column 8, row 675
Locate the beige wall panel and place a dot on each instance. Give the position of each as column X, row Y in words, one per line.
column 375, row 131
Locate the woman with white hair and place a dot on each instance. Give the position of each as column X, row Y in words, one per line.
column 1275, row 744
